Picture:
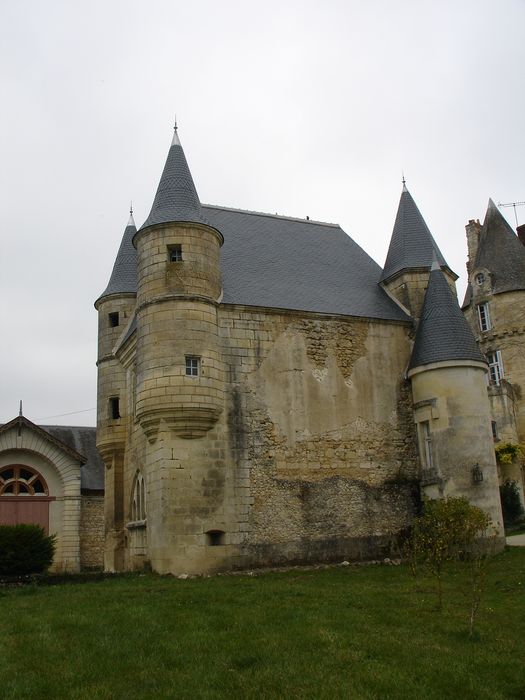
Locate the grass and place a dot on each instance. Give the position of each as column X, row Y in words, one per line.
column 345, row 632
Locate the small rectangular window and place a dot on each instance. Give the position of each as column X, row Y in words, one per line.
column 193, row 366
column 496, row 373
column 494, row 430
column 113, row 319
column 484, row 317
column 175, row 253
column 114, row 408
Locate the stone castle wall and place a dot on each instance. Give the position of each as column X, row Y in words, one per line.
column 313, row 456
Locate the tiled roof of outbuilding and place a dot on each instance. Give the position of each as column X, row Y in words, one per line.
column 83, row 440
column 412, row 244
column 443, row 333
column 123, row 278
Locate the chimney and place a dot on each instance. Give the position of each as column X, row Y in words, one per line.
column 520, row 230
column 473, row 229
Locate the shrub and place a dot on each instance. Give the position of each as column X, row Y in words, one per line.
column 446, row 530
column 25, row 549
column 508, row 452
column 510, row 502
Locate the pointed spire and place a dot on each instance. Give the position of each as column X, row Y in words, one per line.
column 176, row 198
column 501, row 252
column 123, row 278
column 412, row 245
column 443, row 333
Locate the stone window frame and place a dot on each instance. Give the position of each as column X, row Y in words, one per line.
column 485, row 323
column 496, row 370
column 175, row 253
column 114, row 408
column 479, row 278
column 193, row 365
column 137, row 506
column 114, row 319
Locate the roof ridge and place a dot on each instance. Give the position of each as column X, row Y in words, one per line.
column 271, row 216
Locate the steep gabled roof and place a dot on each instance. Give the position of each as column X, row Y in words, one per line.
column 501, row 252
column 176, row 198
column 123, row 278
column 443, row 333
column 412, row 245
column 286, row 263
column 22, row 422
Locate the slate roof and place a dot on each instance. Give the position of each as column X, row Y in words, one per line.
column 443, row 333
column 176, row 198
column 82, row 440
column 501, row 252
column 412, row 244
column 270, row 261
column 78, row 442
column 297, row 264
column 123, row 278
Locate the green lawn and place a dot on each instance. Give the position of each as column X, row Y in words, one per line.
column 344, row 632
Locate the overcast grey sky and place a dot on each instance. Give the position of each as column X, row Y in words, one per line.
column 301, row 108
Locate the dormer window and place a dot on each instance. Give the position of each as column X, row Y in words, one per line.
column 175, row 253
column 484, row 317
column 480, row 278
column 113, row 319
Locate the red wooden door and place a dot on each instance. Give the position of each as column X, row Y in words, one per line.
column 23, row 509
column 24, row 496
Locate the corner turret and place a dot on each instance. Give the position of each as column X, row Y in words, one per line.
column 115, row 308
column 451, row 408
column 179, row 371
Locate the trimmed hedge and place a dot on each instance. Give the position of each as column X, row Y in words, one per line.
column 25, row 549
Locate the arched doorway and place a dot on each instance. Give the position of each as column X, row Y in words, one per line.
column 24, row 496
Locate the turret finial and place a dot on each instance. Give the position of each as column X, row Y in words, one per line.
column 20, row 409
column 404, row 182
column 175, row 141
column 131, row 220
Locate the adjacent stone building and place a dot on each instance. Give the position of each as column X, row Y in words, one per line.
column 495, row 308
column 267, row 394
column 53, row 476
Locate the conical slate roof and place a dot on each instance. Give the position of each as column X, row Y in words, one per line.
column 123, row 278
column 412, row 244
column 443, row 333
column 176, row 198
column 501, row 252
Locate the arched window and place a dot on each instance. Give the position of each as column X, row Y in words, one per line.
column 19, row 480
column 138, row 499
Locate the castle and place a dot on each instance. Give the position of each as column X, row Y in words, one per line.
column 267, row 394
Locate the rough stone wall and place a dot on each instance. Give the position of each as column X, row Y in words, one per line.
column 91, row 532
column 320, row 426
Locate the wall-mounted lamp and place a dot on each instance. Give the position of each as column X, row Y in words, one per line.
column 477, row 474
